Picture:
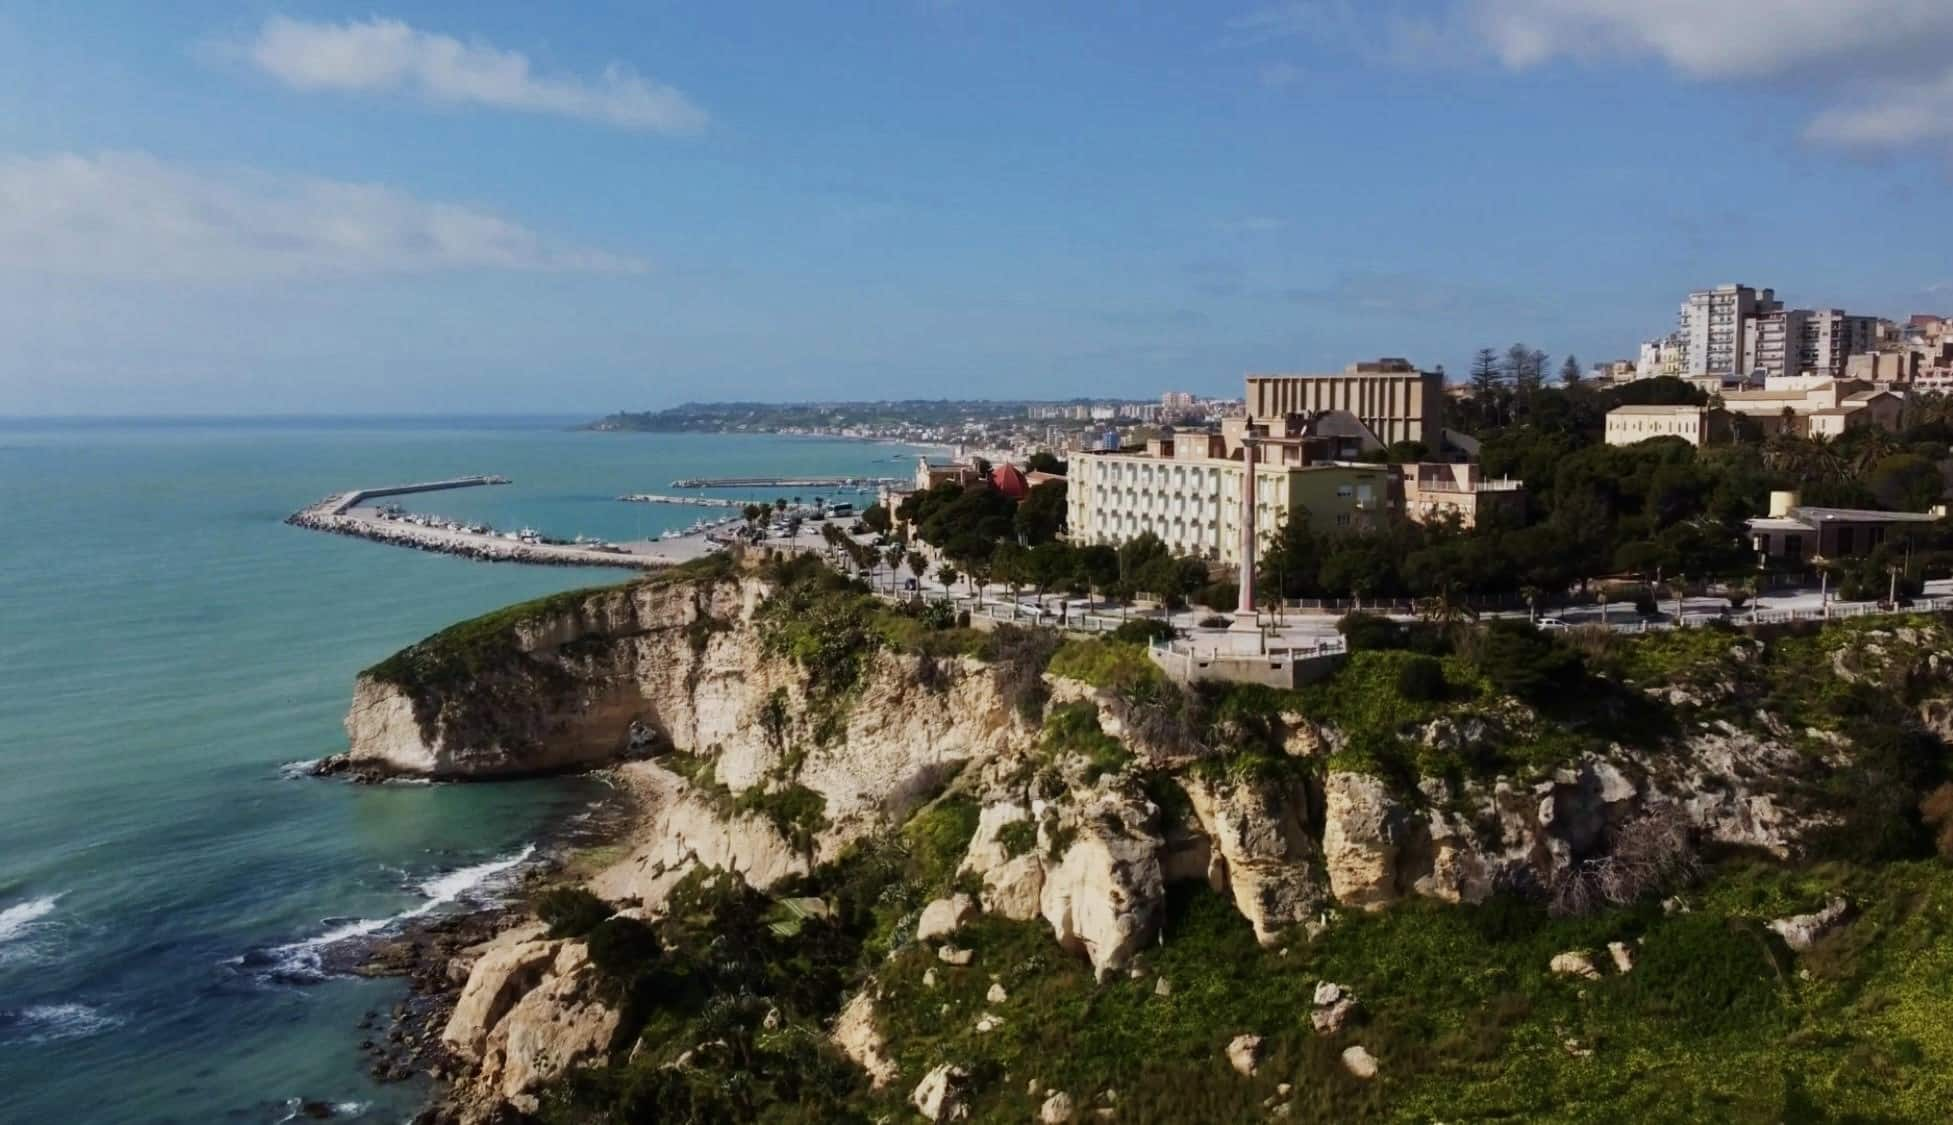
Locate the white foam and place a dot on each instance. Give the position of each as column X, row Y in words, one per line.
column 291, row 770
column 45, row 1023
column 18, row 920
column 305, row 959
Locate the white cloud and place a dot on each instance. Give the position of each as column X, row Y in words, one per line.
column 129, row 215
column 1880, row 65
column 388, row 56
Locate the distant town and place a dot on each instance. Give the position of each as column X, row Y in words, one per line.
column 1754, row 446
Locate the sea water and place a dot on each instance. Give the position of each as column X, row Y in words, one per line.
column 170, row 656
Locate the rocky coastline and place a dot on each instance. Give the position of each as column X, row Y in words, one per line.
column 1087, row 814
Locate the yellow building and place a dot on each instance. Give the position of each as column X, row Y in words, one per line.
column 1697, row 425
column 1187, row 491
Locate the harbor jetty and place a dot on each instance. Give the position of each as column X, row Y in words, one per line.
column 688, row 501
column 860, row 484
column 352, row 513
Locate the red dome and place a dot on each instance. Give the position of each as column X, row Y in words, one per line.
column 1008, row 480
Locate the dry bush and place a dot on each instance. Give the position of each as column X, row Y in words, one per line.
column 1936, row 809
column 1650, row 853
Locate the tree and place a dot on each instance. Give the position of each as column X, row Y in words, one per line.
column 917, row 565
column 1521, row 369
column 1570, row 371
column 1485, row 374
column 1041, row 514
column 877, row 519
column 1098, row 565
column 1044, row 461
column 947, row 575
column 1011, row 564
column 1905, row 482
column 893, row 557
column 1051, row 564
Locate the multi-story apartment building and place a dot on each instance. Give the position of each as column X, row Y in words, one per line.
column 1187, row 490
column 1794, row 343
column 1390, row 396
column 1665, row 356
column 1715, row 333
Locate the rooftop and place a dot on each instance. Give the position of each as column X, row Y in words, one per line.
column 1659, row 408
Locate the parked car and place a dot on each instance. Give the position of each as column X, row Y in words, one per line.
column 1551, row 623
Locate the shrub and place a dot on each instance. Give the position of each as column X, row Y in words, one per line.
column 1218, row 595
column 571, row 912
column 1216, row 621
column 1524, row 662
column 797, row 811
column 1937, row 811
column 1018, row 659
column 1650, row 854
column 623, row 948
column 1421, row 679
column 1143, row 631
column 1018, row 837
column 1644, row 602
column 1107, row 664
column 1370, row 631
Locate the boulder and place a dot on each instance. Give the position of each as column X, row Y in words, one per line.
column 1104, row 895
column 1334, row 1005
column 1360, row 1062
column 502, row 976
column 996, row 995
column 858, row 1038
column 1057, row 1109
column 1801, row 931
column 557, row 1026
column 1265, row 852
column 940, row 1096
column 1361, row 836
column 1623, row 955
column 1244, row 1054
column 1011, row 883
column 950, row 955
column 944, row 917
column 1574, row 964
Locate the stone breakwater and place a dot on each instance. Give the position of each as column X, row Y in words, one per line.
column 326, row 516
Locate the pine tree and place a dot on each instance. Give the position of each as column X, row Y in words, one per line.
column 1522, row 368
column 1570, row 371
column 1485, row 373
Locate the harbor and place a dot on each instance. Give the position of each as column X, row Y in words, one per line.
column 371, row 514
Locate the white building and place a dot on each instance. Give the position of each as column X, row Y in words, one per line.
column 1716, row 335
column 1627, row 425
column 1794, row 343
column 1665, row 356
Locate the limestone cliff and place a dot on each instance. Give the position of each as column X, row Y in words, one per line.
column 749, row 769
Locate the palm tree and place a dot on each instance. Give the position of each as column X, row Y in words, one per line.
column 1533, row 594
column 893, row 556
column 917, row 564
column 1446, row 609
column 946, row 574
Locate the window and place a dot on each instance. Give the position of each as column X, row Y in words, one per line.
column 1342, row 519
column 1345, row 491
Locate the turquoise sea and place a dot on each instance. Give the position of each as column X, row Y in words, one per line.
column 168, row 649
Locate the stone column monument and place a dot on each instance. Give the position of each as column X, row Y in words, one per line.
column 1247, row 626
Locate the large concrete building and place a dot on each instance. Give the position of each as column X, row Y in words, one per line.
column 1715, row 328
column 1794, row 343
column 1390, row 396
column 1187, row 489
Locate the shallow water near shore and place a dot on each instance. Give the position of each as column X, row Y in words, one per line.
column 171, row 889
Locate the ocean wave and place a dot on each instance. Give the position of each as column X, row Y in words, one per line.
column 305, row 962
column 302, row 1109
column 22, row 921
column 47, row 1023
column 293, row 770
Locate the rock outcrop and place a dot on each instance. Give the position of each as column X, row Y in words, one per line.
column 1268, row 859
column 1103, row 890
column 528, row 1014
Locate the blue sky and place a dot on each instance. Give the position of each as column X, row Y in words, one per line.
column 501, row 207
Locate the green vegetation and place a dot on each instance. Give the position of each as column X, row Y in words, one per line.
column 482, row 645
column 571, row 911
column 1105, row 663
column 797, row 811
column 1074, row 729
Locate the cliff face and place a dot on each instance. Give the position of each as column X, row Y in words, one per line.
column 1080, row 837
column 591, row 681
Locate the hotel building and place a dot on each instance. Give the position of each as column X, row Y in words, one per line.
column 1390, row 396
